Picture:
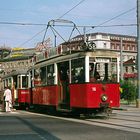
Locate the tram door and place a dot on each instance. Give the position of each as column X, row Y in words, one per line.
column 15, row 92
column 63, row 82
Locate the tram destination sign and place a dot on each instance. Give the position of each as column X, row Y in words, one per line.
column 104, row 60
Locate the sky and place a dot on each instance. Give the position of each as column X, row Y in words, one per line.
column 86, row 13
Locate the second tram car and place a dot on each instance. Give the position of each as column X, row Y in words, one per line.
column 82, row 82
column 18, row 82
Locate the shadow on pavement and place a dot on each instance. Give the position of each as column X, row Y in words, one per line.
column 41, row 132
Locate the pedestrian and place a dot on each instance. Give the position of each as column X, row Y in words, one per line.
column 8, row 99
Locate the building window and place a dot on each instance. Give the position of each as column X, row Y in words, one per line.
column 126, row 69
column 104, row 45
column 133, row 69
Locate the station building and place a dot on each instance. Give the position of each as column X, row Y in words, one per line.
column 18, row 59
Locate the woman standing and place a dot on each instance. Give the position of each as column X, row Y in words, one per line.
column 8, row 99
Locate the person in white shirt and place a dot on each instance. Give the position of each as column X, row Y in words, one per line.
column 8, row 99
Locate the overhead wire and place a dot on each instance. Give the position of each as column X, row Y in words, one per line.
column 23, row 24
column 113, row 18
column 88, row 26
column 71, row 9
column 31, row 38
column 63, row 25
column 58, row 18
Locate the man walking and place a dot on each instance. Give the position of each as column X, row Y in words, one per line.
column 8, row 99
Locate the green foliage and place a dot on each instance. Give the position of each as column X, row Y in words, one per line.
column 129, row 91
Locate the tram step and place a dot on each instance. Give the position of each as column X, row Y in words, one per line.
column 64, row 106
column 63, row 110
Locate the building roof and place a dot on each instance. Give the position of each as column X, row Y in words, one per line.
column 19, row 54
column 106, row 34
column 129, row 62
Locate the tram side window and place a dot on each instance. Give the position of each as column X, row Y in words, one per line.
column 15, row 81
column 43, row 75
column 3, row 85
column 19, row 82
column 37, row 79
column 6, row 82
column 10, row 83
column 78, row 70
column 50, row 74
column 24, row 81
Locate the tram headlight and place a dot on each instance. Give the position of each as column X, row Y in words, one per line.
column 104, row 97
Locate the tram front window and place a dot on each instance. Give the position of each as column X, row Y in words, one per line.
column 103, row 71
column 94, row 72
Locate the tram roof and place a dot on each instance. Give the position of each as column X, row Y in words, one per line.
column 15, row 72
column 78, row 54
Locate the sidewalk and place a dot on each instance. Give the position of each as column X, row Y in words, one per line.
column 1, row 108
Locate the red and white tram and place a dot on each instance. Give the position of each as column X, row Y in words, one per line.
column 80, row 82
column 18, row 82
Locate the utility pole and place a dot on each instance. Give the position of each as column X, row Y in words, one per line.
column 121, row 60
column 138, row 52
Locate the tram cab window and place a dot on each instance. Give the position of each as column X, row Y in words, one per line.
column 104, row 70
column 50, row 74
column 110, row 72
column 94, row 72
column 113, row 75
column 78, row 70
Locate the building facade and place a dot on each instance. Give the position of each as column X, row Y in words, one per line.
column 18, row 60
column 113, row 42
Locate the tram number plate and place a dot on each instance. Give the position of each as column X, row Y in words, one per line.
column 104, row 104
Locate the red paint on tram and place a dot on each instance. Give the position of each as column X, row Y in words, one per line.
column 89, row 95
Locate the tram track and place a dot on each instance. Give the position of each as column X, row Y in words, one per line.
column 130, row 115
column 129, row 124
column 115, row 126
column 112, row 122
column 126, row 119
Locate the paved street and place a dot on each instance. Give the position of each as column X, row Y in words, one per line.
column 22, row 125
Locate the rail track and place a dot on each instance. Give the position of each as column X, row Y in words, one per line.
column 122, row 120
column 127, row 121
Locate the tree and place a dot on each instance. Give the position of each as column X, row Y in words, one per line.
column 128, row 91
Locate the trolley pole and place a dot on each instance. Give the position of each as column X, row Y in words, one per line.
column 138, row 52
column 84, row 29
